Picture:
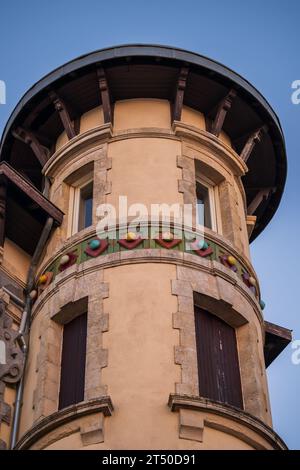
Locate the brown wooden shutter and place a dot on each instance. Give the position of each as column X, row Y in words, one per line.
column 73, row 362
column 218, row 363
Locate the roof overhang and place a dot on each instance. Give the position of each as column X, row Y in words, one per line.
column 276, row 340
column 27, row 210
column 134, row 71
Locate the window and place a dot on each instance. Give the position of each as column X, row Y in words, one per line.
column 73, row 357
column 206, row 210
column 85, row 206
column 82, row 204
column 218, row 363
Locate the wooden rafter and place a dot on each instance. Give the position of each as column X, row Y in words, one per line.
column 105, row 95
column 64, row 115
column 29, row 138
column 260, row 196
column 252, row 140
column 223, row 108
column 179, row 94
column 6, row 171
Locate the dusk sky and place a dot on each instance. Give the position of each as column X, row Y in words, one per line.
column 258, row 40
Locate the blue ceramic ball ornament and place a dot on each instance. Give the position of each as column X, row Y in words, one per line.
column 262, row 304
column 202, row 245
column 94, row 244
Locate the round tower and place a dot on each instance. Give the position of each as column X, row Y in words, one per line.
column 148, row 333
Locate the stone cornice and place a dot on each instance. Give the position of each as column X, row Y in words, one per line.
column 81, row 144
column 212, row 145
column 196, row 403
column 89, row 140
column 47, row 424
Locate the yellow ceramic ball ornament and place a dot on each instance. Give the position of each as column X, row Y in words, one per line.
column 231, row 260
column 131, row 236
column 42, row 279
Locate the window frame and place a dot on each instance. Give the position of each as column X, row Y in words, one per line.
column 72, row 379
column 213, row 203
column 74, row 205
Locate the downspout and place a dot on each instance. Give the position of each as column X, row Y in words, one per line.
column 25, row 325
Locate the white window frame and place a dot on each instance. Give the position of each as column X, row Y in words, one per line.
column 74, row 202
column 213, row 203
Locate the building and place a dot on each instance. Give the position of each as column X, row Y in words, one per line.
column 144, row 339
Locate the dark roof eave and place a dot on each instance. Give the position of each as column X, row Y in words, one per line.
column 141, row 50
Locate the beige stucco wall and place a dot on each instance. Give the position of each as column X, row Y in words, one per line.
column 91, row 119
column 132, row 114
column 140, row 341
column 15, row 261
column 145, row 170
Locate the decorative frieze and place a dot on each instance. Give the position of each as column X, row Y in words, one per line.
column 208, row 249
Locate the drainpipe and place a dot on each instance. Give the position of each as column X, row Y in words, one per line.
column 25, row 325
column 14, row 297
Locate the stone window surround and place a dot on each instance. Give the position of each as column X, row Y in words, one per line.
column 221, row 298
column 70, row 296
column 194, row 161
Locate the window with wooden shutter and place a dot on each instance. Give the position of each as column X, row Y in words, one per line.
column 218, row 363
column 73, row 362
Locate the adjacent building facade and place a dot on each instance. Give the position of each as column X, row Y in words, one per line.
column 113, row 337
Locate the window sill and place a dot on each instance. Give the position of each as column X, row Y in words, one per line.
column 102, row 405
column 196, row 413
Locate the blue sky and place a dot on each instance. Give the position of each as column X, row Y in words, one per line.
column 257, row 39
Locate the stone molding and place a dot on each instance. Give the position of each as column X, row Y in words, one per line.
column 78, row 242
column 179, row 131
column 196, row 413
column 91, row 431
column 211, row 145
column 82, row 143
column 152, row 256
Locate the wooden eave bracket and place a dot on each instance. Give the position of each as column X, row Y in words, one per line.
column 259, row 198
column 222, row 110
column 36, row 196
column 255, row 138
column 64, row 115
column 105, row 95
column 29, row 138
column 179, row 93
